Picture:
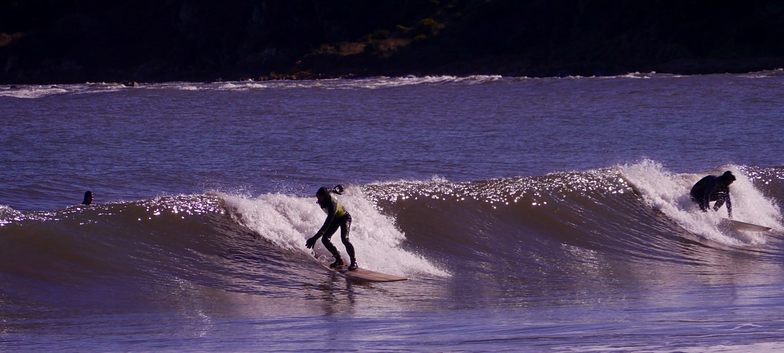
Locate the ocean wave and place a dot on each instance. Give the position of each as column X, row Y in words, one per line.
column 42, row 91
column 32, row 92
column 764, row 73
column 570, row 224
column 287, row 221
column 371, row 83
column 667, row 193
column 346, row 84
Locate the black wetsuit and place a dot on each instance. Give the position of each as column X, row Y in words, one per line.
column 712, row 188
column 337, row 217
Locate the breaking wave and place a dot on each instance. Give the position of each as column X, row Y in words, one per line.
column 553, row 226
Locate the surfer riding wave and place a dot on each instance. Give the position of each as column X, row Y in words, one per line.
column 713, row 188
column 337, row 217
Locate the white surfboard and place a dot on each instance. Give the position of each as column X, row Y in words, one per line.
column 749, row 227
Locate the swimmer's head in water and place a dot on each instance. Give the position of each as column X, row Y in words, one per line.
column 88, row 198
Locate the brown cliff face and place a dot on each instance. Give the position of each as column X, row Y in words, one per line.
column 75, row 41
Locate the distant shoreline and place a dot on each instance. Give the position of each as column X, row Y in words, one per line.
column 682, row 69
column 34, row 91
column 422, row 78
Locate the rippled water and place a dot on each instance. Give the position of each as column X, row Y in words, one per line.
column 129, row 143
column 529, row 214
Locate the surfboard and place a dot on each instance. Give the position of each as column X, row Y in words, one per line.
column 364, row 275
column 749, row 227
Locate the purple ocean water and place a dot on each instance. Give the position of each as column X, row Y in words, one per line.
column 529, row 214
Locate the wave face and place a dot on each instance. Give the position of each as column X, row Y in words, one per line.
column 617, row 226
column 585, row 226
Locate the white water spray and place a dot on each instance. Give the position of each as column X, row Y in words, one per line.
column 669, row 193
column 287, row 221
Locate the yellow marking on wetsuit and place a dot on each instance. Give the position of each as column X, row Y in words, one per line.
column 339, row 210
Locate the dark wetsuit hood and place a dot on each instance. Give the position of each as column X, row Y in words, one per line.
column 727, row 177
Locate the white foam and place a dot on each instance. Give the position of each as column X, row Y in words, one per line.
column 361, row 83
column 736, row 348
column 764, row 73
column 32, row 92
column 287, row 221
column 41, row 91
column 669, row 193
column 241, row 86
column 719, row 348
column 9, row 215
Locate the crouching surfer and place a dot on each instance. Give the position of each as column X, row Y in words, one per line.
column 337, row 217
column 713, row 188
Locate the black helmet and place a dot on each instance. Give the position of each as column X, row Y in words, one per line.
column 322, row 192
column 728, row 177
column 325, row 190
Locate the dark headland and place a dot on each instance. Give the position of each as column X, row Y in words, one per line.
column 63, row 41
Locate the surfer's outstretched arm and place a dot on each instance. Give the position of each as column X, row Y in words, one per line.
column 331, row 211
column 722, row 196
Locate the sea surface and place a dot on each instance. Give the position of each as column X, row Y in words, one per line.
column 529, row 215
